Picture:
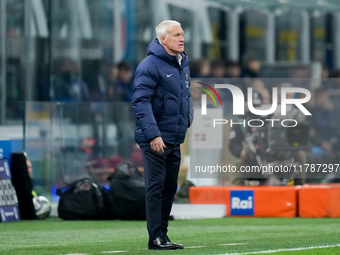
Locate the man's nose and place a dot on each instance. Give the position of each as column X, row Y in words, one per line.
column 182, row 38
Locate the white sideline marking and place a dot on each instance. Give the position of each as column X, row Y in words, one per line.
column 76, row 254
column 291, row 249
column 227, row 244
column 112, row 251
column 192, row 247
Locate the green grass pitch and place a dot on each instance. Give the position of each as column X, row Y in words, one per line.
column 204, row 236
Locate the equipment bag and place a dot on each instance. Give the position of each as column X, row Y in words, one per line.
column 127, row 193
column 83, row 200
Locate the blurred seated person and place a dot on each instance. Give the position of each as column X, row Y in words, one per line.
column 245, row 144
column 200, row 68
column 324, row 132
column 66, row 84
column 233, row 73
column 293, row 112
column 125, row 80
column 104, row 85
column 30, row 173
column 325, row 72
column 217, row 69
column 97, row 81
column 259, row 86
column 252, row 68
column 232, row 69
column 115, row 92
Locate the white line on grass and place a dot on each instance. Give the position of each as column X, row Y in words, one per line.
column 291, row 249
column 75, row 254
column 227, row 244
column 112, row 251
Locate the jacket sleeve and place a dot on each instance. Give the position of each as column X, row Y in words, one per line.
column 144, row 87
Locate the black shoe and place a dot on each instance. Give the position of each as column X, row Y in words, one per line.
column 161, row 243
column 179, row 246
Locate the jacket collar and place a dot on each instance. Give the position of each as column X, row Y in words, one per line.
column 155, row 48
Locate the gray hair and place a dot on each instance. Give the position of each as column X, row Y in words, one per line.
column 163, row 27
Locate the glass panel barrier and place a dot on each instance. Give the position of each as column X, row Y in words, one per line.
column 69, row 141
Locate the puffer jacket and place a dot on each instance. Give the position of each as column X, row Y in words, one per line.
column 162, row 97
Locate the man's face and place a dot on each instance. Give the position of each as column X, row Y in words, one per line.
column 234, row 72
column 254, row 66
column 174, row 42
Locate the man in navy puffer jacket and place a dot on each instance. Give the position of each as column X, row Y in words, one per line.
column 162, row 104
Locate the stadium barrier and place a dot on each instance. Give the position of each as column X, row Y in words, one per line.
column 319, row 201
column 267, row 201
column 274, row 201
column 206, row 195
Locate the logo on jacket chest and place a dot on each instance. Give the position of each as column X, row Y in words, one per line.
column 187, row 81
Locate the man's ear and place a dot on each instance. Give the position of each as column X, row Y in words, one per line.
column 163, row 39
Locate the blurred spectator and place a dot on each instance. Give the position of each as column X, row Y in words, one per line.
column 252, row 68
column 242, row 150
column 323, row 132
column 324, row 72
column 217, row 73
column 233, row 72
column 97, row 81
column 114, row 91
column 200, row 68
column 103, row 84
column 299, row 156
column 259, row 86
column 233, row 69
column 30, row 173
column 217, row 69
column 125, row 80
column 66, row 84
